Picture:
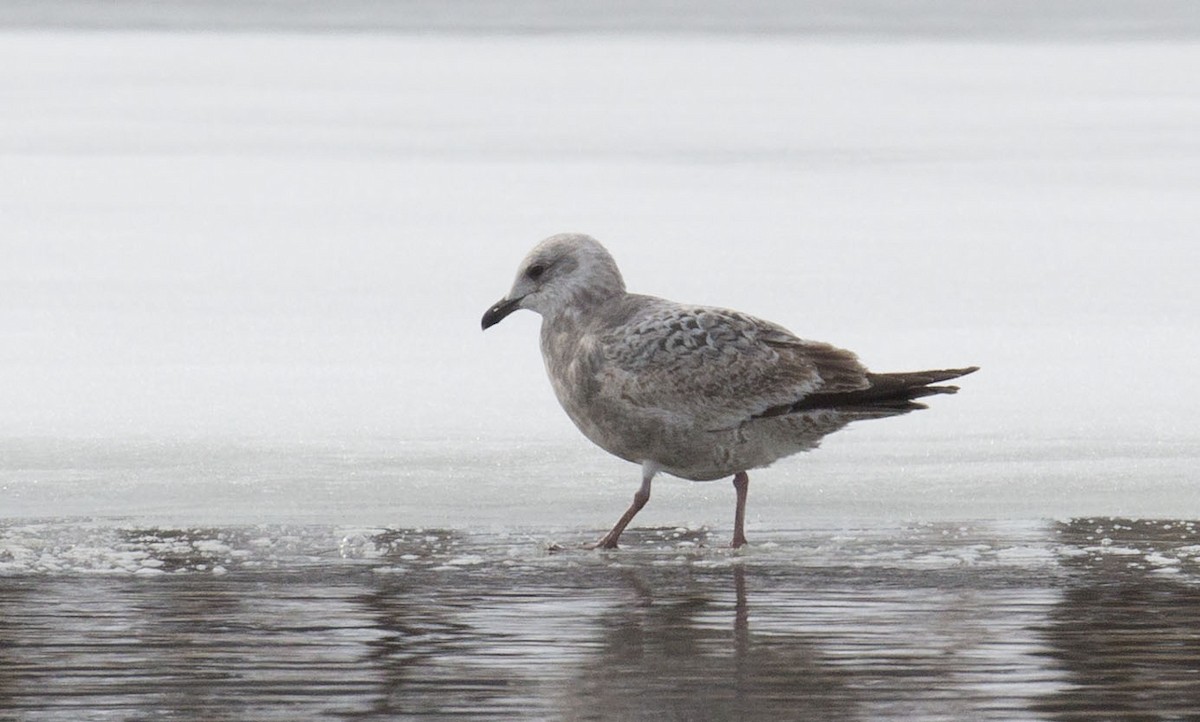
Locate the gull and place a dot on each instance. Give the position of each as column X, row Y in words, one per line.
column 697, row 392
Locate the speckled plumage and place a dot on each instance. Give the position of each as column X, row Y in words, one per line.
column 694, row 391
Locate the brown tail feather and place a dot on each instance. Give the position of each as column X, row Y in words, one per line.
column 892, row 392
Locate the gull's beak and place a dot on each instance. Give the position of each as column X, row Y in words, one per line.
column 496, row 313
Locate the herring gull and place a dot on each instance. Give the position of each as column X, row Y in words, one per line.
column 697, row 392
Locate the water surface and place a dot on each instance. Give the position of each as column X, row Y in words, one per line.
column 1000, row 621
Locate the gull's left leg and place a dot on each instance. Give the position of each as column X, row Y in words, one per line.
column 741, row 481
column 639, row 500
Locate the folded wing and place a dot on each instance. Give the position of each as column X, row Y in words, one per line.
column 718, row 367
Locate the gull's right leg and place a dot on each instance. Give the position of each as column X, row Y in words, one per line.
column 741, row 481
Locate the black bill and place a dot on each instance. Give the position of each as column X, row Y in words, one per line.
column 496, row 313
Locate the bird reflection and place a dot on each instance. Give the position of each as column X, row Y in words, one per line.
column 681, row 646
column 605, row 642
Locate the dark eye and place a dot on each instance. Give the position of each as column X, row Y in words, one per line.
column 535, row 271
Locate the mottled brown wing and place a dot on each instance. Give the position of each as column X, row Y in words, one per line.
column 718, row 367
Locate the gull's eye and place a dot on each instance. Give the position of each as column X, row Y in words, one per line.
column 535, row 271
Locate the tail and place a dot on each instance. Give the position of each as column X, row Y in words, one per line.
column 887, row 395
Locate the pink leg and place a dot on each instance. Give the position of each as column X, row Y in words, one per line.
column 741, row 481
column 639, row 500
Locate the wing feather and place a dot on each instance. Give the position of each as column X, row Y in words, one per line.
column 719, row 367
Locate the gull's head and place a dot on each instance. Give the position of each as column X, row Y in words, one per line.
column 564, row 272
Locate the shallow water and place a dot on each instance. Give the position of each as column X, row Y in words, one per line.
column 1063, row 620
